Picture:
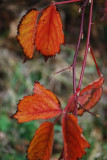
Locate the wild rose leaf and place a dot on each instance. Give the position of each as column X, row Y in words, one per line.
column 89, row 96
column 27, row 31
column 74, row 141
column 43, row 104
column 41, row 145
column 49, row 35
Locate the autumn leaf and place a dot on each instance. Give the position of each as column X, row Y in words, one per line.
column 74, row 141
column 88, row 96
column 41, row 146
column 40, row 90
column 27, row 32
column 43, row 104
column 49, row 35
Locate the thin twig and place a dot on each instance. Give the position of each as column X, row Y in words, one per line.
column 95, row 62
column 87, row 45
column 88, row 111
column 64, row 2
column 75, row 58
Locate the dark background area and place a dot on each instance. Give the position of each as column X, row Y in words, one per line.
column 17, row 78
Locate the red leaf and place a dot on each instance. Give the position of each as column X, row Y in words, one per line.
column 43, row 104
column 40, row 90
column 27, row 31
column 74, row 141
column 49, row 35
column 41, row 145
column 89, row 96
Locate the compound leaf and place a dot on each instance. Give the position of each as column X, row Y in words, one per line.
column 43, row 104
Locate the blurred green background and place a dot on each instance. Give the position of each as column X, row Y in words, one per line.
column 17, row 78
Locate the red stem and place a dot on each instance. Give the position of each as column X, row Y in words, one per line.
column 74, row 63
column 57, row 118
column 95, row 62
column 88, row 111
column 71, row 99
column 87, row 45
column 79, row 40
column 85, row 3
column 80, row 36
column 75, row 58
column 64, row 2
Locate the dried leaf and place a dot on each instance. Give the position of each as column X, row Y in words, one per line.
column 74, row 141
column 49, row 35
column 41, row 145
column 27, row 32
column 43, row 104
column 89, row 96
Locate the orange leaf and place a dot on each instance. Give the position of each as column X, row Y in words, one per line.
column 89, row 96
column 49, row 35
column 74, row 141
column 41, row 145
column 27, row 31
column 43, row 104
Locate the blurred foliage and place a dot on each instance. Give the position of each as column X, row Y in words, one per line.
column 17, row 78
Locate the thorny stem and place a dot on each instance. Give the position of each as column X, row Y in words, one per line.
column 74, row 79
column 75, row 58
column 87, row 45
column 74, row 62
column 64, row 2
column 85, row 3
column 79, row 40
column 76, row 91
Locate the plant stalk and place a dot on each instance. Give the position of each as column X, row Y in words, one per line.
column 64, row 2
column 87, row 45
column 75, row 59
column 98, row 71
